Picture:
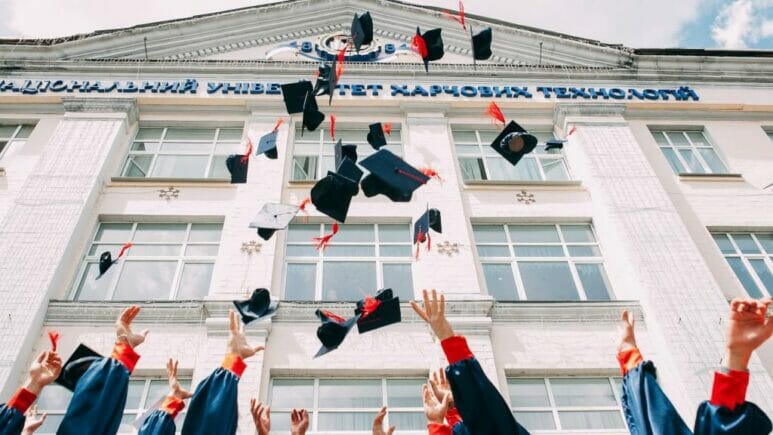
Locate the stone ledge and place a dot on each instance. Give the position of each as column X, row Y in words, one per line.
column 519, row 184
column 584, row 312
column 166, row 182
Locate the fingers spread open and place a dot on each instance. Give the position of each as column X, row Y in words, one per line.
column 419, row 311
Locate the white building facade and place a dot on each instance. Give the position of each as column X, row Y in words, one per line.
column 660, row 202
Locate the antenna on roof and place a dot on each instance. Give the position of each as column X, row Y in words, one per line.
column 145, row 42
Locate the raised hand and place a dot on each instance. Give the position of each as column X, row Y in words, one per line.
column 441, row 387
column 627, row 336
column 434, row 313
column 44, row 370
column 378, row 424
column 299, row 422
column 32, row 423
column 261, row 416
column 174, row 384
column 237, row 342
column 749, row 327
column 435, row 410
column 123, row 330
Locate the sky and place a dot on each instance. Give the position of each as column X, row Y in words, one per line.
column 728, row 24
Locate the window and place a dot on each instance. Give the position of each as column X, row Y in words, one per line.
column 182, row 152
column 313, row 152
column 142, row 394
column 770, row 134
column 348, row 405
column 13, row 134
column 689, row 152
column 567, row 404
column 359, row 260
column 166, row 261
column 541, row 262
column 750, row 255
column 479, row 161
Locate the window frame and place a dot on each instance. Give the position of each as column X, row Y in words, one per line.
column 763, row 254
column 14, row 137
column 707, row 170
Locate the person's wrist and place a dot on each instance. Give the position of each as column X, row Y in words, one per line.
column 33, row 386
column 435, row 420
column 444, row 331
column 738, row 360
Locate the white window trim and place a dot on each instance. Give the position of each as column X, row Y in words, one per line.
column 744, row 257
column 14, row 137
column 693, row 149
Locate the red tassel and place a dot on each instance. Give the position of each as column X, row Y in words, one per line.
column 333, row 128
column 53, row 336
column 322, row 242
column 340, row 62
column 460, row 18
column 429, row 241
column 431, row 173
column 571, row 131
column 411, row 176
column 278, row 123
column 369, row 306
column 420, row 45
column 302, row 208
column 246, row 155
column 387, row 128
column 124, row 248
column 335, row 317
column 495, row 113
column 420, row 237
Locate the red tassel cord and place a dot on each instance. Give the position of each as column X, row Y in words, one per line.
column 333, row 128
column 340, row 62
column 369, row 306
column 420, row 46
column 246, row 155
column 278, row 123
column 411, row 176
column 334, row 317
column 322, row 242
column 124, row 248
column 458, row 18
column 571, row 131
column 431, row 173
column 302, row 208
column 495, row 113
column 53, row 336
column 420, row 238
column 387, row 128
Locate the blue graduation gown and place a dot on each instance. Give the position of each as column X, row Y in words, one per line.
column 213, row 407
column 159, row 422
column 647, row 409
column 483, row 410
column 11, row 420
column 745, row 419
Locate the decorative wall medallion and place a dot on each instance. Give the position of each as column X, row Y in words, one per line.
column 525, row 197
column 169, row 193
column 251, row 247
column 448, row 248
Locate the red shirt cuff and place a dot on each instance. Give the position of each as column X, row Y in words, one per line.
column 172, row 406
column 234, row 363
column 453, row 417
column 124, row 354
column 22, row 400
column 456, row 349
column 629, row 359
column 729, row 389
column 438, row 429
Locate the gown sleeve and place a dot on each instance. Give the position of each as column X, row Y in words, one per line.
column 100, row 394
column 12, row 413
column 213, row 407
column 646, row 407
column 161, row 420
column 728, row 412
column 482, row 408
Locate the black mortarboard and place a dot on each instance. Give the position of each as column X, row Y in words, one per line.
column 333, row 194
column 362, row 30
column 105, row 261
column 396, row 178
column 514, row 142
column 481, row 44
column 294, row 95
column 333, row 330
column 258, row 306
column 272, row 217
column 429, row 220
column 327, row 81
column 312, row 117
column 348, row 151
column 376, row 136
column 349, row 170
column 378, row 312
column 76, row 365
column 237, row 166
column 554, row 144
column 267, row 145
column 434, row 43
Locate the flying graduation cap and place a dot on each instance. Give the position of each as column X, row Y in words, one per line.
column 554, row 144
column 376, row 134
column 429, row 45
column 377, row 312
column 238, row 164
column 294, row 95
column 312, row 117
column 258, row 306
column 481, row 44
column 333, row 194
column 391, row 176
column 76, row 365
column 333, row 330
column 514, row 142
column 362, row 30
column 429, row 220
column 106, row 259
column 273, row 217
column 349, row 151
column 267, row 144
column 327, row 81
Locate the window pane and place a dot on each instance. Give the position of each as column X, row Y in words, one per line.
column 678, row 139
column 302, row 233
column 195, row 281
column 692, row 163
column 660, row 138
column 534, row 233
column 157, row 391
column 404, row 393
column 470, row 149
column 347, row 281
column 280, row 422
column 136, row 387
column 190, row 134
column 353, row 233
column 472, row 169
column 146, row 146
column 535, row 420
column 205, row 232
column 500, row 282
column 54, row 397
column 137, row 166
column 6, row 131
column 501, row 169
column 160, row 233
column 582, row 392
column 201, row 250
column 350, row 251
column 52, row 423
column 465, row 136
column 97, row 249
column 230, row 134
column 577, row 233
column 118, row 233
column 746, row 279
column 398, row 278
column 155, row 250
column 488, row 136
column 584, row 251
column 349, row 393
column 724, row 243
column 527, row 169
column 300, row 282
column 302, row 251
column 218, row 169
column 697, row 139
column 149, row 133
column 304, row 168
column 712, row 159
column 573, row 420
column 91, row 288
column 763, row 273
column 187, row 147
column 539, row 251
column 489, row 234
column 594, row 281
column 145, row 280
column 25, row 131
column 395, row 250
column 493, row 251
column 292, row 393
column 673, row 160
column 746, row 243
column 528, row 393
column 343, row 421
column 180, row 166
column 555, row 169
column 394, row 233
column 549, row 281
column 766, row 240
column 408, row 420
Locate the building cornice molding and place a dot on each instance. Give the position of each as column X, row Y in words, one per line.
column 101, row 107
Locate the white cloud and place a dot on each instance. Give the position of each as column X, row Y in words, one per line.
column 742, row 23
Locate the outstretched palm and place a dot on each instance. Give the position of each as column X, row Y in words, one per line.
column 175, row 389
column 237, row 342
column 749, row 327
column 123, row 330
column 627, row 335
column 378, row 424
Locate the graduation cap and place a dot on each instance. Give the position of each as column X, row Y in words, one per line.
column 362, row 30
column 514, row 142
column 391, row 176
column 258, row 306
column 327, row 81
column 76, row 365
column 333, row 330
column 429, row 220
column 312, row 117
column 106, row 259
column 481, row 44
column 349, row 151
column 333, row 194
column 267, row 145
column 294, row 95
column 377, row 312
column 554, row 144
column 376, row 136
column 237, row 166
column 272, row 217
column 429, row 45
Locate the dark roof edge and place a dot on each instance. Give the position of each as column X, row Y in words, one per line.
column 701, row 52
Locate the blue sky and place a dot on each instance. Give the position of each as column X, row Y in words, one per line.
column 635, row 23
